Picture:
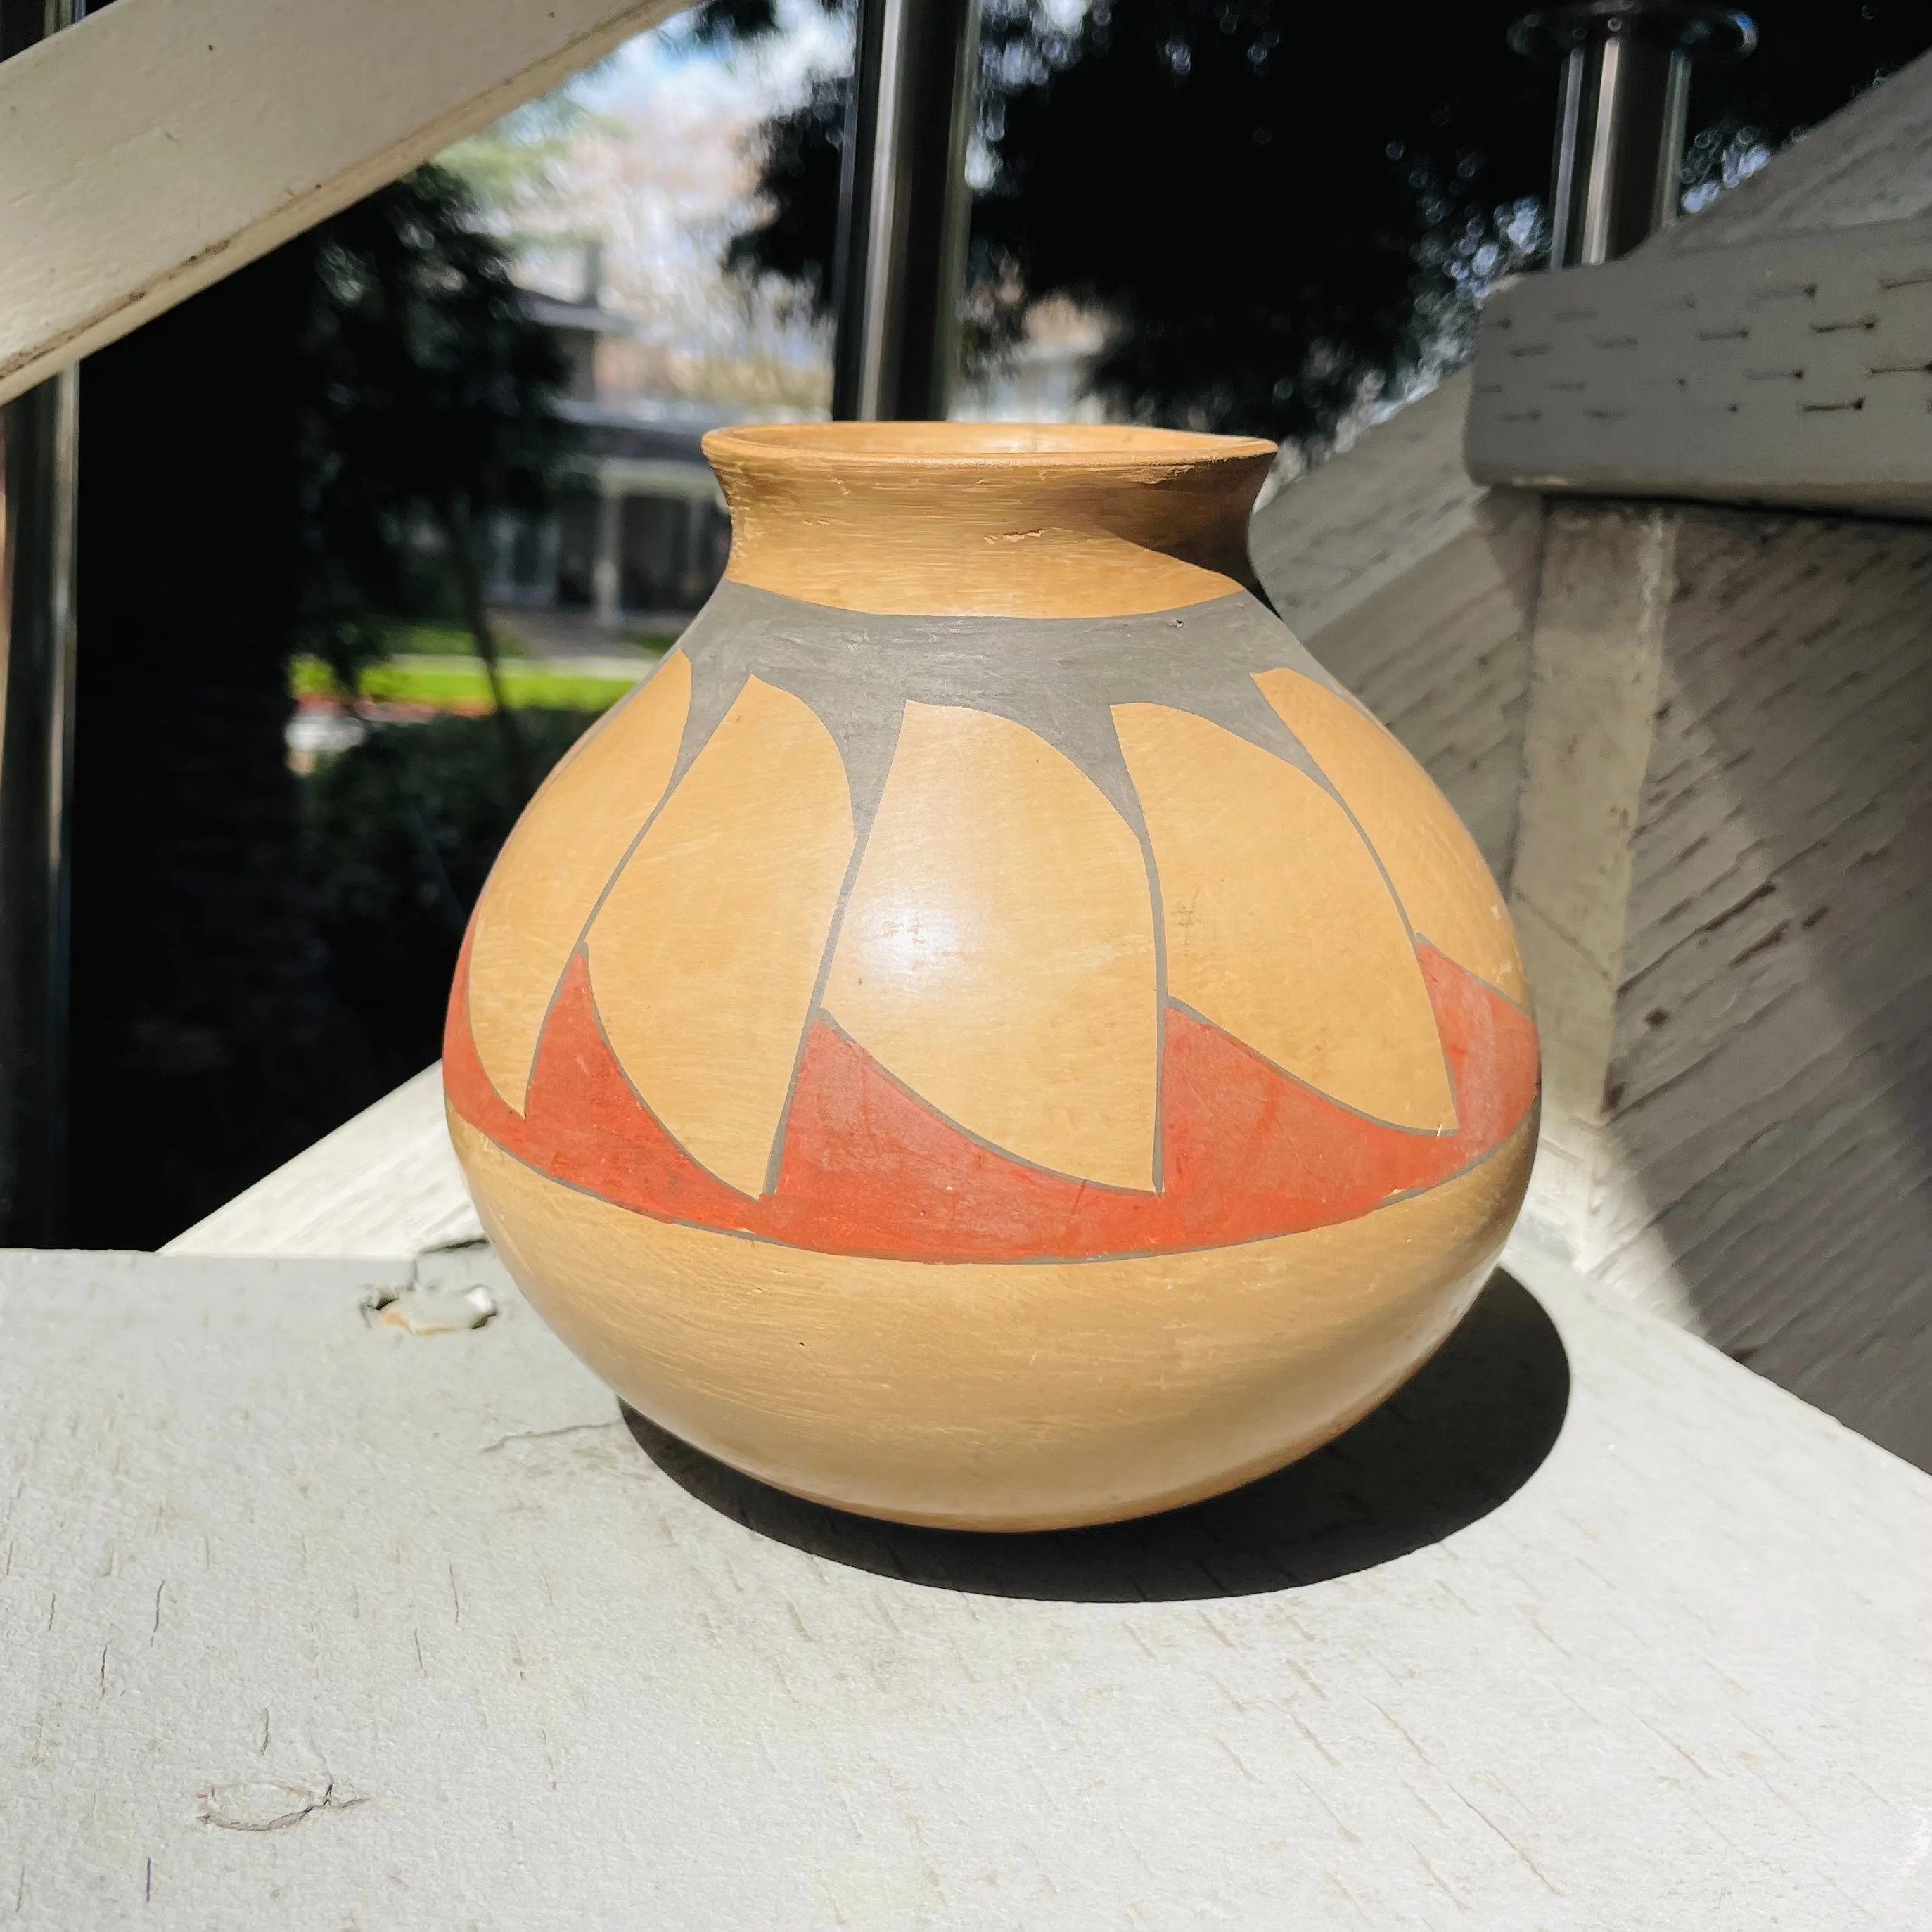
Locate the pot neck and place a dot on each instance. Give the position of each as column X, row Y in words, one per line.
column 1008, row 520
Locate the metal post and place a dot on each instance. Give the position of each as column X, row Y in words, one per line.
column 39, row 432
column 904, row 210
column 1624, row 95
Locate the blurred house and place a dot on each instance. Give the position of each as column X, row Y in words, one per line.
column 641, row 533
column 641, row 538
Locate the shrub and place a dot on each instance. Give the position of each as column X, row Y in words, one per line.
column 401, row 830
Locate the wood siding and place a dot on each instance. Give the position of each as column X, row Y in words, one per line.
column 1770, row 1082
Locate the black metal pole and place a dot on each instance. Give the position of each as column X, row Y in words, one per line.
column 903, row 209
column 38, row 435
column 1625, row 88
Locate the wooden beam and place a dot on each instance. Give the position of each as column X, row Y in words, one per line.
column 1791, row 371
column 163, row 144
column 1772, row 350
column 1594, row 652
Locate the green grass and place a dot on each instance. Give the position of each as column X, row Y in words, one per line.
column 453, row 683
column 452, row 640
column 443, row 640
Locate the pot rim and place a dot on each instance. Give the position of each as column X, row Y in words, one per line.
column 1087, row 447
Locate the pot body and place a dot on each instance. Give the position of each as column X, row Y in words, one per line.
column 990, row 1034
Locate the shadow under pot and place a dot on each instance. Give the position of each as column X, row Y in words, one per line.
column 990, row 1034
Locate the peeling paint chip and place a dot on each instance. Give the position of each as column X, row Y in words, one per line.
column 429, row 1311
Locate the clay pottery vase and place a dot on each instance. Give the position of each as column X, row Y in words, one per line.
column 990, row 1033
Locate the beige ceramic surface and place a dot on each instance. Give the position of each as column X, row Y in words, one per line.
column 578, row 827
column 1438, row 875
column 1280, row 927
column 711, row 933
column 1019, row 520
column 1025, row 1005
column 990, row 1034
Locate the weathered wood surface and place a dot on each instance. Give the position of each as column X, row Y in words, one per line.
column 1790, row 371
column 161, row 144
column 1415, row 586
column 1724, row 892
column 1772, row 350
column 310, row 1620
column 385, row 1184
column 1600, row 611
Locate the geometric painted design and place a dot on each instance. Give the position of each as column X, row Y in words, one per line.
column 950, row 941
column 997, row 953
column 1437, row 873
column 572, row 836
column 707, row 947
column 869, row 1168
column 1280, row 926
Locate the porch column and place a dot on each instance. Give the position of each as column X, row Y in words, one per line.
column 607, row 573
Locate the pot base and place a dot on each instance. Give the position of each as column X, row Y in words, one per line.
column 999, row 1396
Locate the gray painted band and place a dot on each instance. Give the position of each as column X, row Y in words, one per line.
column 1058, row 676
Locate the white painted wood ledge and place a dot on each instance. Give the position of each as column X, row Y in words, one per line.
column 383, row 1185
column 162, row 144
column 1794, row 371
column 312, row 1622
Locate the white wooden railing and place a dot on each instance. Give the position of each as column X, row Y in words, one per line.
column 161, row 144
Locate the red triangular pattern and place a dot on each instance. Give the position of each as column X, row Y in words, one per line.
column 868, row 1168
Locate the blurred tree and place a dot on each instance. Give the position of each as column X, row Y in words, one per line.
column 430, row 405
column 257, row 467
column 515, row 161
column 1277, row 204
